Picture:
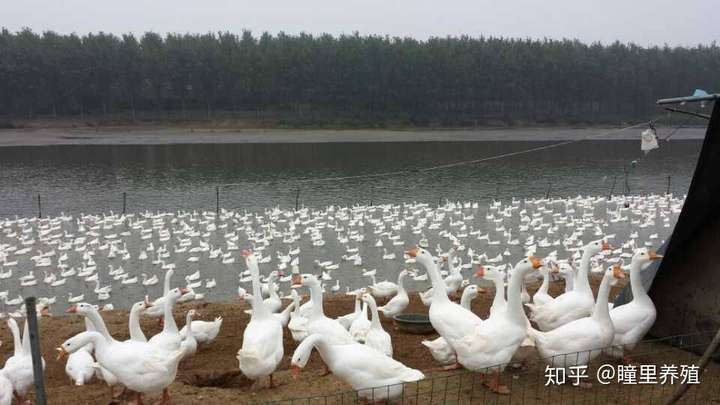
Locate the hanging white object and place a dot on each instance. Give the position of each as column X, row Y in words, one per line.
column 648, row 141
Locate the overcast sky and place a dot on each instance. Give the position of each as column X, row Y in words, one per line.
column 645, row 22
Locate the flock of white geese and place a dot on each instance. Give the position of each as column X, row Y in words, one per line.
column 354, row 347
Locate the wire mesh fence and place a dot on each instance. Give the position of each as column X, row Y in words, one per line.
column 658, row 366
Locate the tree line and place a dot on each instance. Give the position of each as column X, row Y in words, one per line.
column 308, row 79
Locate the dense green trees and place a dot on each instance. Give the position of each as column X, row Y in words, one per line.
column 311, row 79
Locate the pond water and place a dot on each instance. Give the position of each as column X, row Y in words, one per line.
column 252, row 177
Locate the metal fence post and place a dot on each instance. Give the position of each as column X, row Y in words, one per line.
column 35, row 350
column 217, row 199
column 39, row 206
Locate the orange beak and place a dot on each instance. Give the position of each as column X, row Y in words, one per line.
column 184, row 291
column 246, row 252
column 296, row 279
column 61, row 354
column 654, row 256
column 412, row 252
column 480, row 272
column 295, row 370
column 72, row 309
column 536, row 262
column 617, row 272
column 606, row 246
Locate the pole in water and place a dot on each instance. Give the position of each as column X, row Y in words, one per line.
column 39, row 206
column 217, row 199
column 547, row 193
column 668, row 186
column 297, row 199
column 35, row 351
column 124, row 201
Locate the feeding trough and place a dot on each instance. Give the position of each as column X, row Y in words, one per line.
column 417, row 324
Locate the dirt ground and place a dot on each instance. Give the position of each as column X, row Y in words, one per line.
column 212, row 375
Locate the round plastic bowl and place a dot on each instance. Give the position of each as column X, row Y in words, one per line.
column 417, row 324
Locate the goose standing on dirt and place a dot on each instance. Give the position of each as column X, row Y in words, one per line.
column 631, row 321
column 262, row 346
column 376, row 337
column 400, row 301
column 578, row 342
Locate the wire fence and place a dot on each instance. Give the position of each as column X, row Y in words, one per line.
column 295, row 196
column 659, row 365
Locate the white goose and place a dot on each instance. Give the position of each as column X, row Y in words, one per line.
column 578, row 342
column 449, row 319
column 168, row 340
column 541, row 296
column 157, row 307
column 468, row 295
column 574, row 304
column 376, row 337
column 203, row 331
column 79, row 366
column 400, row 301
column 298, row 324
column 189, row 344
column 262, row 346
column 498, row 278
column 331, row 329
column 632, row 320
column 363, row 367
column 361, row 324
column 138, row 366
column 495, row 341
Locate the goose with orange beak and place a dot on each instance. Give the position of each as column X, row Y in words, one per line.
column 578, row 342
column 632, row 321
column 497, row 339
column 262, row 347
column 574, row 304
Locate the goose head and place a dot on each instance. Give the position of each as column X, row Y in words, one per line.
column 366, row 298
column 75, row 343
column 304, row 280
column 527, row 265
column 489, row 273
column 82, row 308
column 176, row 293
column 597, row 246
column 421, row 256
column 644, row 256
column 471, row 291
column 140, row 306
column 614, row 272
